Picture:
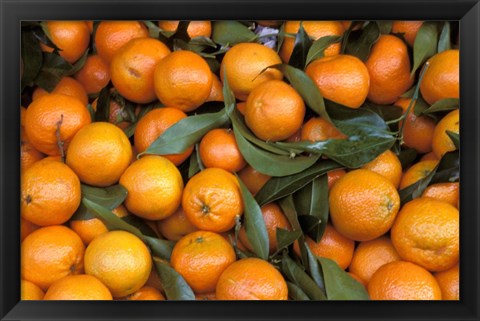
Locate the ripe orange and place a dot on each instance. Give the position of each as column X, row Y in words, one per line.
column 201, row 257
column 50, row 193
column 146, row 293
column 154, row 187
column 363, row 205
column 212, row 200
column 429, row 156
column 274, row 111
column 29, row 291
column 216, row 92
column 449, row 283
column 269, row 23
column 343, row 79
column 218, row 148
column 51, row 253
column 426, row 232
column 417, row 131
column 112, row 35
column 133, row 66
column 389, row 67
column 51, row 114
column 67, row 86
column 28, row 154
column 78, row 287
column 317, row 128
column 183, row 79
column 417, row 172
column 315, row 30
column 251, row 279
column 403, row 281
column 175, row 226
column 26, row 228
column 441, row 80
column 409, row 29
column 388, row 165
column 94, row 75
column 334, row 176
column 99, row 154
column 253, row 179
column 194, row 29
column 441, row 142
column 447, row 192
column 241, row 107
column 274, row 218
column 117, row 114
column 120, row 260
column 334, row 246
column 369, row 256
column 243, row 64
column 153, row 125
column 72, row 37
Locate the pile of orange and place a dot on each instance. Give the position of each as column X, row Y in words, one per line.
column 200, row 198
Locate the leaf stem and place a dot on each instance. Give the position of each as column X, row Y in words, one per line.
column 60, row 143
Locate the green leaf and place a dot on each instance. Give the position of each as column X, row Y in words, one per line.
column 444, row 42
column 175, row 286
column 254, row 223
column 91, row 111
column 46, row 37
column 313, row 267
column 361, row 47
column 318, row 47
column 140, row 224
column 280, row 37
column 300, row 50
column 409, row 93
column 288, row 208
column 339, row 285
column 286, row 237
column 455, row 137
column 407, row 156
column 229, row 32
column 446, row 104
column 425, row 44
column 385, row 26
column 346, row 37
column 386, row 112
column 295, row 293
column 195, row 164
column 109, row 197
column 153, row 30
column 78, row 64
column 279, row 187
column 420, row 106
column 31, row 57
column 160, row 248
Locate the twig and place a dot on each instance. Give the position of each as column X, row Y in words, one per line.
column 60, row 143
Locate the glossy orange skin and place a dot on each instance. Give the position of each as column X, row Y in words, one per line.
column 334, row 176
column 28, row 154
column 388, row 165
column 218, row 148
column 30, row 291
column 176, row 226
column 441, row 142
column 449, row 282
column 26, row 228
column 446, row 192
column 67, row 86
column 146, row 293
column 317, row 128
column 409, row 29
column 72, row 37
column 78, row 287
column 216, row 92
column 94, row 75
column 253, row 179
column 194, row 29
column 416, row 172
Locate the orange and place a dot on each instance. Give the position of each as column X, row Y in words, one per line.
column 153, row 125
column 409, row 29
column 447, row 192
column 28, row 154
column 449, row 283
column 417, row 172
column 343, row 79
column 71, row 37
column 194, row 29
column 253, row 179
column 441, row 142
column 218, row 148
column 146, row 293
column 274, row 111
column 241, row 107
column 334, row 246
column 269, row 23
column 429, row 156
column 154, row 280
column 94, row 75
column 251, row 279
column 154, row 187
column 67, row 86
column 175, row 226
column 201, row 257
column 26, row 228
column 90, row 25
column 315, row 30
column 99, row 154
column 216, row 92
column 403, row 281
column 30, row 291
column 23, row 112
column 296, row 137
column 91, row 228
column 120, row 260
column 334, row 176
column 50, row 193
column 274, row 219
column 363, row 205
column 212, row 200
column 243, row 64
column 426, row 232
column 51, row 253
column 369, row 256
column 78, row 287
column 132, row 68
column 389, row 67
column 51, row 114
column 317, row 128
column 417, row 131
column 388, row 165
column 117, row 113
column 112, row 35
column 183, row 79
column 441, row 80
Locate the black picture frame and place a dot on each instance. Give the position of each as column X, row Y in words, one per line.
column 14, row 11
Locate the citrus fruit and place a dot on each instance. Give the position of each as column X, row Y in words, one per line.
column 66, row 86
column 218, row 148
column 194, row 29
column 146, row 293
column 447, row 192
column 216, row 92
column 334, row 176
column 417, row 172
column 26, row 228
column 175, row 226
column 449, row 283
column 408, row 29
column 441, row 142
column 317, row 128
column 253, row 179
column 71, row 37
column 78, row 287
column 94, row 75
column 388, row 165
column 28, row 154
column 29, row 291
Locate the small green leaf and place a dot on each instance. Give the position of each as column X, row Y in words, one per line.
column 313, row 267
column 285, row 238
column 385, row 26
column 54, row 68
column 407, row 156
column 415, row 190
column 295, row 293
column 140, row 224
column 78, row 64
column 446, row 104
column 300, row 50
column 444, row 42
column 202, row 41
column 425, row 45
column 386, row 112
column 455, row 137
column 280, row 37
column 288, row 208
column 31, row 57
column 175, row 286
column 254, row 223
column 153, row 30
column 110, row 197
column 231, row 32
column 318, row 47
column 339, row 285
column 46, row 38
column 448, row 169
column 361, row 47
column 160, row 248
column 195, row 163
column 420, row 106
column 409, row 93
